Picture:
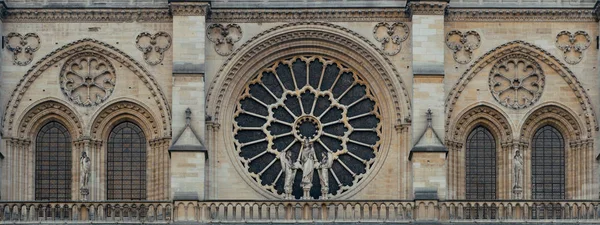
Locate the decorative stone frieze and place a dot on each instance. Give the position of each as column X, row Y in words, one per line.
column 153, row 46
column 391, row 36
column 515, row 15
column 294, row 15
column 86, row 15
column 182, row 8
column 431, row 7
column 463, row 45
column 22, row 47
column 516, row 81
column 224, row 37
column 573, row 45
column 87, row 79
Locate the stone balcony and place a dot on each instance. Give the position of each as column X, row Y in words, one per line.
column 334, row 211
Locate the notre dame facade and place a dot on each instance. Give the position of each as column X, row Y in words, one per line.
column 308, row 111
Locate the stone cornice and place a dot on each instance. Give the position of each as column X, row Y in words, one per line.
column 518, row 15
column 86, row 15
column 189, row 8
column 431, row 7
column 597, row 12
column 294, row 15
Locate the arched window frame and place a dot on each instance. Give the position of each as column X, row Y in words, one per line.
column 493, row 181
column 558, row 175
column 58, row 173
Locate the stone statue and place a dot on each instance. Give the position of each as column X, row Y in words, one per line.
column 308, row 160
column 85, row 168
column 289, row 169
column 325, row 165
column 518, row 173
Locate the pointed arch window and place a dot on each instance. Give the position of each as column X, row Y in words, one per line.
column 126, row 170
column 548, row 164
column 53, row 162
column 480, row 164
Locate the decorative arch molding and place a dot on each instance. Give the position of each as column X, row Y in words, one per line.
column 483, row 114
column 45, row 110
column 522, row 47
column 336, row 38
column 124, row 110
column 560, row 117
column 86, row 45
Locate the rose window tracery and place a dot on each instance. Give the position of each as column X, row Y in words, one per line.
column 516, row 81
column 302, row 105
column 87, row 79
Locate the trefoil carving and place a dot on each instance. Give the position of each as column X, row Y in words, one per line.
column 87, row 79
column 391, row 36
column 22, row 47
column 153, row 46
column 516, row 81
column 224, row 37
column 573, row 45
column 463, row 45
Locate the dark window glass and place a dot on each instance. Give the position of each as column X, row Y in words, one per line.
column 126, row 163
column 548, row 164
column 53, row 163
column 481, row 165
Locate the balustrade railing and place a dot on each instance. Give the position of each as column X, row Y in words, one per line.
column 106, row 211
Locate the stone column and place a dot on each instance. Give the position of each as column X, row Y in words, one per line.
column 188, row 158
column 429, row 168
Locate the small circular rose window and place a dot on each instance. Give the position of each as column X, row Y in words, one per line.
column 516, row 81
column 307, row 127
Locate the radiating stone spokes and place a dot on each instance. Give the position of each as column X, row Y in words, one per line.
column 391, row 36
column 153, row 46
column 573, row 45
column 22, row 47
column 516, row 81
column 463, row 45
column 87, row 79
column 224, row 37
column 311, row 99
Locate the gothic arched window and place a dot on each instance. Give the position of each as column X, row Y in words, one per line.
column 126, row 158
column 548, row 164
column 481, row 165
column 53, row 163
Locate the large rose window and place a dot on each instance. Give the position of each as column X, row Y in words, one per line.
column 307, row 128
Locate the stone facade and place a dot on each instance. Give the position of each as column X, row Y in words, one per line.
column 224, row 90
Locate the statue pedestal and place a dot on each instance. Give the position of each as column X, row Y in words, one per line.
column 84, row 193
column 517, row 193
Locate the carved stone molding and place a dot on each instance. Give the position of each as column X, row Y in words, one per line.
column 517, row 81
column 560, row 118
column 87, row 15
column 153, row 46
column 50, row 107
column 486, row 115
column 188, row 8
column 86, row 45
column 146, row 121
column 462, row 45
column 224, row 37
column 22, row 47
column 573, row 45
column 426, row 7
column 294, row 15
column 478, row 15
column 87, row 79
column 391, row 36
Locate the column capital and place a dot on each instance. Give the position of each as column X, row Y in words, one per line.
column 427, row 7
column 188, row 8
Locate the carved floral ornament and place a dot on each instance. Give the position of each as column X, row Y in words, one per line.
column 463, row 44
column 516, row 81
column 87, row 79
column 307, row 127
column 573, row 45
column 391, row 36
column 22, row 47
column 153, row 46
column 224, row 37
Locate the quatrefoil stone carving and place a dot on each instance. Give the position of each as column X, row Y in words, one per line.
column 463, row 45
column 22, row 47
column 391, row 36
column 153, row 46
column 573, row 45
column 224, row 37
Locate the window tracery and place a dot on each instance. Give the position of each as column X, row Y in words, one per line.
column 516, row 81
column 87, row 79
column 126, row 169
column 480, row 164
column 53, row 163
column 548, row 164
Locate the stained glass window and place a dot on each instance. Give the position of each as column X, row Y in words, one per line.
column 548, row 164
column 53, row 163
column 126, row 170
column 481, row 165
